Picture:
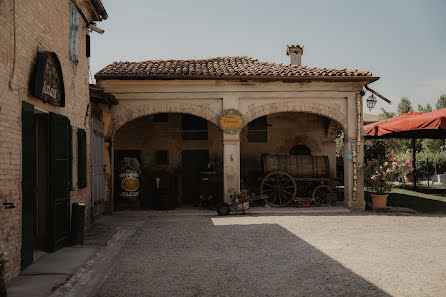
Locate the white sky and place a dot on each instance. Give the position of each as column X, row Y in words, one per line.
column 403, row 42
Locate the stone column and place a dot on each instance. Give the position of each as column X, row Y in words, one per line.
column 231, row 165
column 353, row 155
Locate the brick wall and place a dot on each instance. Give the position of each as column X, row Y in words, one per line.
column 40, row 25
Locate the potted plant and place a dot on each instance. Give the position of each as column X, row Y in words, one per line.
column 303, row 201
column 379, row 178
column 2, row 279
column 241, row 200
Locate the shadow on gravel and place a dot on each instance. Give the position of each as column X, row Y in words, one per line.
column 192, row 257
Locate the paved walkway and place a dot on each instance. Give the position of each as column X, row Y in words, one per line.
column 323, row 252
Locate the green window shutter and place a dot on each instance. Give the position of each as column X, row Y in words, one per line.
column 81, row 158
column 70, row 156
column 59, row 181
column 74, row 33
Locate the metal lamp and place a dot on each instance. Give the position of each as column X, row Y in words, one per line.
column 371, row 102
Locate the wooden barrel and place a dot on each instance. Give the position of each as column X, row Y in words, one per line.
column 297, row 166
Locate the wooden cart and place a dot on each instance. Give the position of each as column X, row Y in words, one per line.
column 290, row 176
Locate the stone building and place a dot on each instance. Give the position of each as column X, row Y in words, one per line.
column 44, row 123
column 170, row 115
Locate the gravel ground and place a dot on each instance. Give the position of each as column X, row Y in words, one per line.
column 302, row 254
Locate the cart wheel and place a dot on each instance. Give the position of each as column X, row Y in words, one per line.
column 223, row 209
column 280, row 188
column 321, row 195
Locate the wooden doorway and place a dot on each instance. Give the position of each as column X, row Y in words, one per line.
column 193, row 161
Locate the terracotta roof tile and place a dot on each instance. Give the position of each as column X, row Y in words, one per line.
column 221, row 68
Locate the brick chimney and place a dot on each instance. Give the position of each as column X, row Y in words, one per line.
column 295, row 52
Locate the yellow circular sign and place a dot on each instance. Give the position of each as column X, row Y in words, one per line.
column 231, row 121
column 130, row 184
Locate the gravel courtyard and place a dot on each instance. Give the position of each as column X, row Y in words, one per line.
column 291, row 254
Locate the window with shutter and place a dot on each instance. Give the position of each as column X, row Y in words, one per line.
column 81, row 158
column 74, row 33
column 193, row 127
column 257, row 130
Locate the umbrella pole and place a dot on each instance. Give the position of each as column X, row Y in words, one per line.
column 414, row 152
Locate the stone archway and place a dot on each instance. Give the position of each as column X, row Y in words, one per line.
column 127, row 113
column 332, row 112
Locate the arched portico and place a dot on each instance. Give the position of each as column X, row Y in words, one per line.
column 329, row 111
column 124, row 114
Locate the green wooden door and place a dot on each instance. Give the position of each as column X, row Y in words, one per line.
column 59, row 180
column 28, row 179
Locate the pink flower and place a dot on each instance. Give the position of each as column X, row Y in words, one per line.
column 384, row 178
column 380, row 167
column 388, row 170
column 386, row 163
column 411, row 169
column 372, row 178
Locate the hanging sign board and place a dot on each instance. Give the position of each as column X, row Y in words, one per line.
column 231, row 121
column 47, row 80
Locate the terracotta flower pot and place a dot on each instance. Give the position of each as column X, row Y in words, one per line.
column 379, row 201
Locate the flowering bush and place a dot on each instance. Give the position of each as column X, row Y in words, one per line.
column 404, row 163
column 239, row 197
column 379, row 176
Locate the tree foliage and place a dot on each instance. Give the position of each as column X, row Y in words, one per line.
column 441, row 102
column 404, row 106
column 427, row 108
column 385, row 115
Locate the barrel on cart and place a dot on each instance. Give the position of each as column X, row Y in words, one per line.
column 290, row 176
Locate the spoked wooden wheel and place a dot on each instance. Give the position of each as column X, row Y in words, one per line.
column 280, row 188
column 321, row 195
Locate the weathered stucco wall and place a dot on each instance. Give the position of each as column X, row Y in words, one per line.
column 209, row 98
column 40, row 26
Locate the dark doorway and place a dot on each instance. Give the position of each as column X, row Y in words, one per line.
column 46, row 181
column 28, row 183
column 193, row 161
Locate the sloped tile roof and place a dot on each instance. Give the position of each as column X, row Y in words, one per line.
column 222, row 68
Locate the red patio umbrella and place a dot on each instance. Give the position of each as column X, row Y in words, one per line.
column 410, row 125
